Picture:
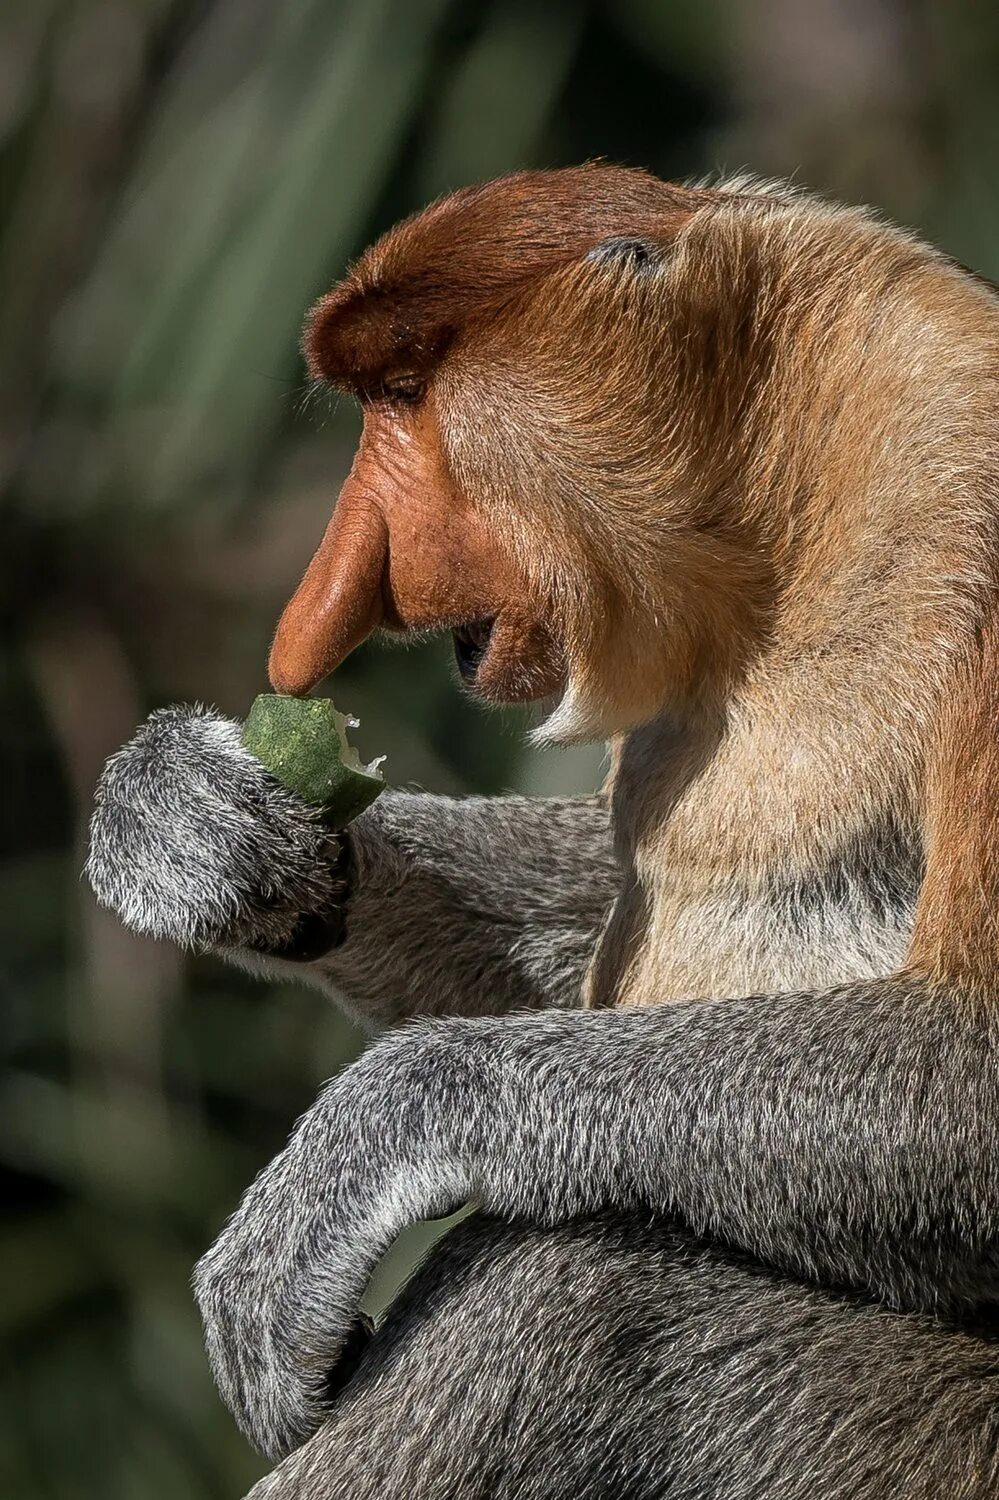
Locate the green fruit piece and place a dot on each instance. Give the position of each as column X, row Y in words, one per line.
column 303, row 742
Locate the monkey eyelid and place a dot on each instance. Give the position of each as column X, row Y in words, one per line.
column 405, row 389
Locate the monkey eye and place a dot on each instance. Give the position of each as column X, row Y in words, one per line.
column 406, row 387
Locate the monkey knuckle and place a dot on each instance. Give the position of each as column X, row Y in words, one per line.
column 283, row 1415
column 260, row 1397
column 261, row 1378
column 266, row 1429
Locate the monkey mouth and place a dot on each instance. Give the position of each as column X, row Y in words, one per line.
column 471, row 643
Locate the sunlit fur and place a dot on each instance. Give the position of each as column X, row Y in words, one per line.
column 720, row 462
column 744, row 452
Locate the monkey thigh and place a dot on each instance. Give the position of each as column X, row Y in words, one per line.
column 619, row 1360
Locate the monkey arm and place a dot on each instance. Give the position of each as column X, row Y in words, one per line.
column 851, row 1137
column 466, row 905
column 848, row 1136
column 472, row 905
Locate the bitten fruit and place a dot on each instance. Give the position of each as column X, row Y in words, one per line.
column 303, row 743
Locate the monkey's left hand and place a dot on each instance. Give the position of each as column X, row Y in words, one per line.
column 280, row 1288
column 521, row 1113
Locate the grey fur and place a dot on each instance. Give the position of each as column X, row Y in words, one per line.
column 193, row 841
column 619, row 1360
column 477, row 905
column 847, row 1138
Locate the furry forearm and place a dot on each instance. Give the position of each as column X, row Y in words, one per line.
column 472, row 906
column 425, row 906
column 851, row 1136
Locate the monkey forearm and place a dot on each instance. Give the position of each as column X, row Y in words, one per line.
column 851, row 1136
column 472, row 906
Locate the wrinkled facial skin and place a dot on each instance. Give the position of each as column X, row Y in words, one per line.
column 405, row 551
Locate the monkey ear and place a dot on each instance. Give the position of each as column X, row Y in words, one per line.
column 626, row 252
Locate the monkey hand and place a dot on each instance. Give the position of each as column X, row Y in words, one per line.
column 194, row 841
column 381, row 1148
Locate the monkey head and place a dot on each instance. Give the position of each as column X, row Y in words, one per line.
column 538, row 470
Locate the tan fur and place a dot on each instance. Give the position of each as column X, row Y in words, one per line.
column 749, row 488
column 956, row 937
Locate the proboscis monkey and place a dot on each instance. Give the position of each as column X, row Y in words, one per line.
column 715, row 473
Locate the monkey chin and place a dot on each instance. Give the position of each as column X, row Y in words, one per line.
column 509, row 660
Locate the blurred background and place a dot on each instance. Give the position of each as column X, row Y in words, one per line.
column 178, row 180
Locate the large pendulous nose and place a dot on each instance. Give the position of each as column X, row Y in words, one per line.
column 339, row 601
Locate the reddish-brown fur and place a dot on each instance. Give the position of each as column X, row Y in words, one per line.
column 956, row 936
column 412, row 292
column 736, row 497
